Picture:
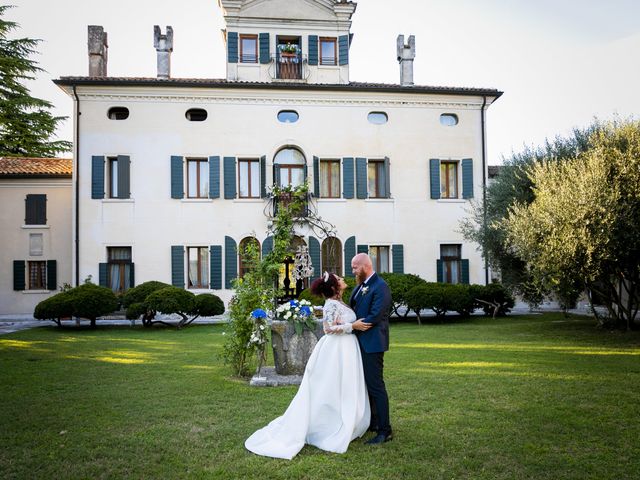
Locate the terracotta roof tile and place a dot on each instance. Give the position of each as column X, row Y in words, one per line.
column 25, row 166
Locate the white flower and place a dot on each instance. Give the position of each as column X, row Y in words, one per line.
column 364, row 290
column 287, row 315
column 261, row 327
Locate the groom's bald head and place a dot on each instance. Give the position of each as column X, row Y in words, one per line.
column 361, row 266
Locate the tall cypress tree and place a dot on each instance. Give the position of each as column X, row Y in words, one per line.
column 26, row 125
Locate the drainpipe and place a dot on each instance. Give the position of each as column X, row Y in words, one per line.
column 77, row 185
column 484, row 184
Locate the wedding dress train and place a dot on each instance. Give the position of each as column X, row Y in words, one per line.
column 331, row 407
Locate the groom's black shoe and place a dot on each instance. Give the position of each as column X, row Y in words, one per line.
column 372, row 428
column 380, row 438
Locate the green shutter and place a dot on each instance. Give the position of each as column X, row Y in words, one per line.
column 434, row 169
column 313, row 49
column 267, row 246
column 347, row 177
column 52, row 275
column 35, row 209
column 97, row 177
column 132, row 275
column 19, row 274
column 276, row 174
column 124, row 176
column 464, row 271
column 316, row 177
column 103, row 268
column 263, row 176
column 343, row 47
column 232, row 47
column 361, row 177
column 177, row 177
column 230, row 261
column 214, row 177
column 177, row 266
column 439, row 272
column 467, row 178
column 215, row 264
column 387, row 178
column 362, row 249
column 398, row 258
column 349, row 253
column 314, row 253
column 264, row 48
column 229, row 177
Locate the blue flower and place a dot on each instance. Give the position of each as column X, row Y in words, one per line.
column 305, row 311
column 293, row 303
column 259, row 313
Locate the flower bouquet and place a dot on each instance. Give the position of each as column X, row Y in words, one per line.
column 298, row 312
column 258, row 339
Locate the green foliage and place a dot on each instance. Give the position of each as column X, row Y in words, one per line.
column 494, row 299
column 581, row 229
column 54, row 308
column 92, row 301
column 170, row 300
column 208, row 305
column 26, row 125
column 513, row 186
column 139, row 293
column 315, row 300
column 400, row 284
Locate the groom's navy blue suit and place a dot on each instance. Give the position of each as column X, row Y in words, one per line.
column 372, row 301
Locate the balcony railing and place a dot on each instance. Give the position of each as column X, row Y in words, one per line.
column 289, row 66
column 285, row 198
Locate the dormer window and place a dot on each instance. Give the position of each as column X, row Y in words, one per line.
column 248, row 49
column 328, row 52
column 289, row 58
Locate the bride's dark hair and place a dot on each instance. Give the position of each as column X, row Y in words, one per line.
column 326, row 285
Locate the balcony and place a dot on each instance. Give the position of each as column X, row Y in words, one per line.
column 285, row 199
column 289, row 66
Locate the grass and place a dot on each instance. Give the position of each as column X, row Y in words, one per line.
column 528, row 397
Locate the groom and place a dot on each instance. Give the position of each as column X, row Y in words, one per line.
column 371, row 300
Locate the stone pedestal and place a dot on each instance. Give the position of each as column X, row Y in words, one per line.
column 290, row 350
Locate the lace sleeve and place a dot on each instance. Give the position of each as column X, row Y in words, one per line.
column 330, row 313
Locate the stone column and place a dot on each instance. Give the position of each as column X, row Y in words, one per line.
column 406, row 54
column 164, row 46
column 97, row 44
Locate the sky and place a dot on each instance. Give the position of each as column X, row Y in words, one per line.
column 560, row 63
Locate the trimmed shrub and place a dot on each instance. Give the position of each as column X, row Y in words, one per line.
column 207, row 305
column 54, row 308
column 139, row 293
column 170, row 300
column 400, row 284
column 92, row 301
column 459, row 298
column 494, row 299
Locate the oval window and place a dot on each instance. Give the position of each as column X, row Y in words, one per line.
column 118, row 113
column 288, row 116
column 377, row 118
column 448, row 119
column 196, row 114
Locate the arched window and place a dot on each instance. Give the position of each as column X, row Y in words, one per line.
column 332, row 255
column 289, row 167
column 244, row 263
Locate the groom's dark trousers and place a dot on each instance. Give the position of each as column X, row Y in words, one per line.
column 372, row 302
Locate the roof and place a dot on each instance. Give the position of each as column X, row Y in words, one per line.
column 223, row 83
column 22, row 167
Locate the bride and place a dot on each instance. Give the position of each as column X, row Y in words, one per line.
column 331, row 407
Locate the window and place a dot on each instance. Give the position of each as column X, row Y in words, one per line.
column 379, row 258
column 448, row 119
column 451, row 258
column 197, row 178
column 332, row 256
column 243, row 258
column 198, row 258
column 35, row 244
column 327, row 51
column 288, row 116
column 330, row 178
column 248, row 48
column 37, row 275
column 249, row 178
column 377, row 118
column 112, row 177
column 119, row 268
column 196, row 115
column 377, row 179
column 35, row 209
column 448, row 179
column 118, row 113
column 290, row 167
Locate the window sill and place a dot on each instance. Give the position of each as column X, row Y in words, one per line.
column 196, row 200
column 327, row 67
column 331, row 200
column 27, row 292
column 117, row 200
column 451, row 200
column 35, row 226
column 379, row 200
column 249, row 200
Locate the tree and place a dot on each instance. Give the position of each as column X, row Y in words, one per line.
column 581, row 229
column 515, row 186
column 26, row 125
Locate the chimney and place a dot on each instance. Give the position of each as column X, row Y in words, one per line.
column 406, row 54
column 98, row 47
column 164, row 46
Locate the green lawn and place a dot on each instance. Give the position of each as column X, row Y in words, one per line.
column 526, row 397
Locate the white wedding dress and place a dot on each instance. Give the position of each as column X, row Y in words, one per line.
column 331, row 407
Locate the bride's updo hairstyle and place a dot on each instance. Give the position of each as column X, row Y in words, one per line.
column 326, row 285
